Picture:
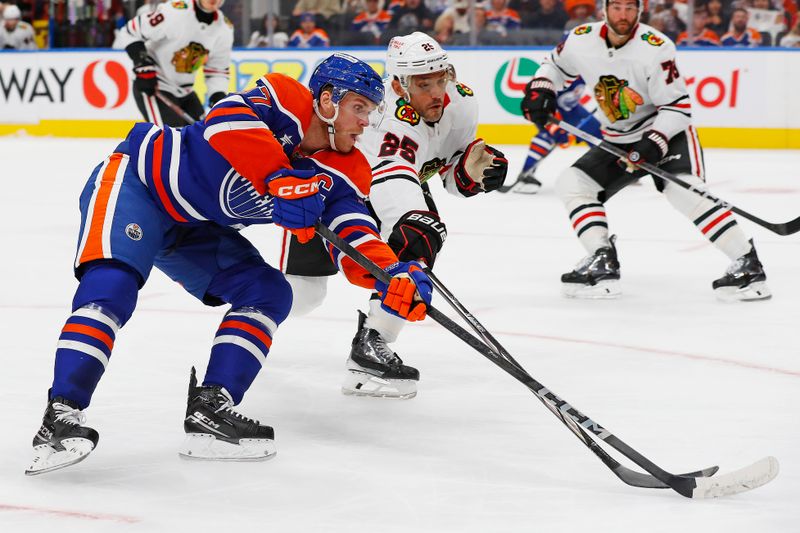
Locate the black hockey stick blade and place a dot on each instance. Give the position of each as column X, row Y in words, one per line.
column 189, row 119
column 781, row 228
column 741, row 480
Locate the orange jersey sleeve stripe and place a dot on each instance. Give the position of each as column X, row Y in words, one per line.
column 158, row 153
column 254, row 153
column 90, row 331
column 96, row 219
column 346, row 232
column 224, row 111
column 379, row 252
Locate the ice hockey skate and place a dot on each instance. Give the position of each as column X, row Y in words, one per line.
column 62, row 440
column 744, row 280
column 215, row 431
column 526, row 183
column 595, row 277
column 373, row 369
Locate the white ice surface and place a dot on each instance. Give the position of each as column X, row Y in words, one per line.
column 688, row 381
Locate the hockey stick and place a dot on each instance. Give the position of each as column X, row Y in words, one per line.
column 189, row 119
column 785, row 228
column 627, row 475
column 742, row 480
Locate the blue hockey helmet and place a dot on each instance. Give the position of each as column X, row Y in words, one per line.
column 344, row 73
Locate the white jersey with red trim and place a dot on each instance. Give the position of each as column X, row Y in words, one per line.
column 637, row 86
column 404, row 151
column 180, row 45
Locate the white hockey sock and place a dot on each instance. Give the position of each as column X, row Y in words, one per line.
column 716, row 223
column 308, row 293
column 385, row 323
column 587, row 215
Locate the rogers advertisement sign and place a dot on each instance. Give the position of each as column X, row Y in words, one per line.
column 97, row 85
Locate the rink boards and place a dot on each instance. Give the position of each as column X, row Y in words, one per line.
column 740, row 98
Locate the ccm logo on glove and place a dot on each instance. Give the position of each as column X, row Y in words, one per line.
column 298, row 190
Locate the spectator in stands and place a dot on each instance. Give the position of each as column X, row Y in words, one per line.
column 452, row 21
column 718, row 18
column 373, row 20
column 308, row 35
column 261, row 37
column 412, row 16
column 740, row 34
column 16, row 34
column 323, row 10
column 766, row 19
column 666, row 16
column 792, row 39
column 502, row 19
column 579, row 12
column 701, row 36
column 549, row 16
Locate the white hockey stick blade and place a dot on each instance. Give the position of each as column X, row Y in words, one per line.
column 747, row 478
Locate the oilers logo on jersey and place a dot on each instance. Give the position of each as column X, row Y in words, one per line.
column 239, row 198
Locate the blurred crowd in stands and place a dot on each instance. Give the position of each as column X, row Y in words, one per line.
column 323, row 23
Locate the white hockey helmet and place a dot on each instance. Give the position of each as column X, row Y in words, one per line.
column 414, row 54
column 12, row 12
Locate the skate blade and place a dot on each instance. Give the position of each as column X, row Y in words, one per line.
column 203, row 446
column 526, row 188
column 363, row 384
column 602, row 290
column 46, row 458
column 755, row 291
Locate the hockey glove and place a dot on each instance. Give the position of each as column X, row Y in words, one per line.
column 144, row 68
column 418, row 236
column 296, row 203
column 652, row 148
column 216, row 97
column 480, row 168
column 539, row 102
column 409, row 292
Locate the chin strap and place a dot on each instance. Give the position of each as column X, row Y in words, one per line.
column 329, row 122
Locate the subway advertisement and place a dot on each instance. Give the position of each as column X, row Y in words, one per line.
column 739, row 98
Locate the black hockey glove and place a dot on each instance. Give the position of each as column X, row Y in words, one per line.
column 144, row 68
column 216, row 97
column 652, row 148
column 480, row 168
column 539, row 102
column 418, row 236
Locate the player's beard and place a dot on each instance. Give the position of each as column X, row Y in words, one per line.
column 623, row 28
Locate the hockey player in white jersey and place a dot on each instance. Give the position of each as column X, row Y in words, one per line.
column 168, row 46
column 15, row 34
column 646, row 111
column 426, row 129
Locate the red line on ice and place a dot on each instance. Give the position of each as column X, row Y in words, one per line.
column 70, row 514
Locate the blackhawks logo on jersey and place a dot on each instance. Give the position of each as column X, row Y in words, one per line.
column 583, row 30
column 430, row 168
column 190, row 58
column 463, row 90
column 406, row 113
column 615, row 98
column 652, row 39
column 180, row 4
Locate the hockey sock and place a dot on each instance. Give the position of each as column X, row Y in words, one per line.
column 103, row 303
column 240, row 347
column 716, row 223
column 587, row 215
column 541, row 145
column 388, row 325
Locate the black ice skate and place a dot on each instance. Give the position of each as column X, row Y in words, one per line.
column 526, row 183
column 373, row 369
column 215, row 431
column 62, row 440
column 744, row 280
column 596, row 276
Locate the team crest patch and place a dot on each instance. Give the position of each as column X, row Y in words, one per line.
column 180, row 4
column 134, row 231
column 615, row 98
column 406, row 113
column 463, row 90
column 190, row 58
column 652, row 39
column 582, row 30
column 430, row 168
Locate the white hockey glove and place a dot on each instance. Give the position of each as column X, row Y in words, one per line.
column 480, row 168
